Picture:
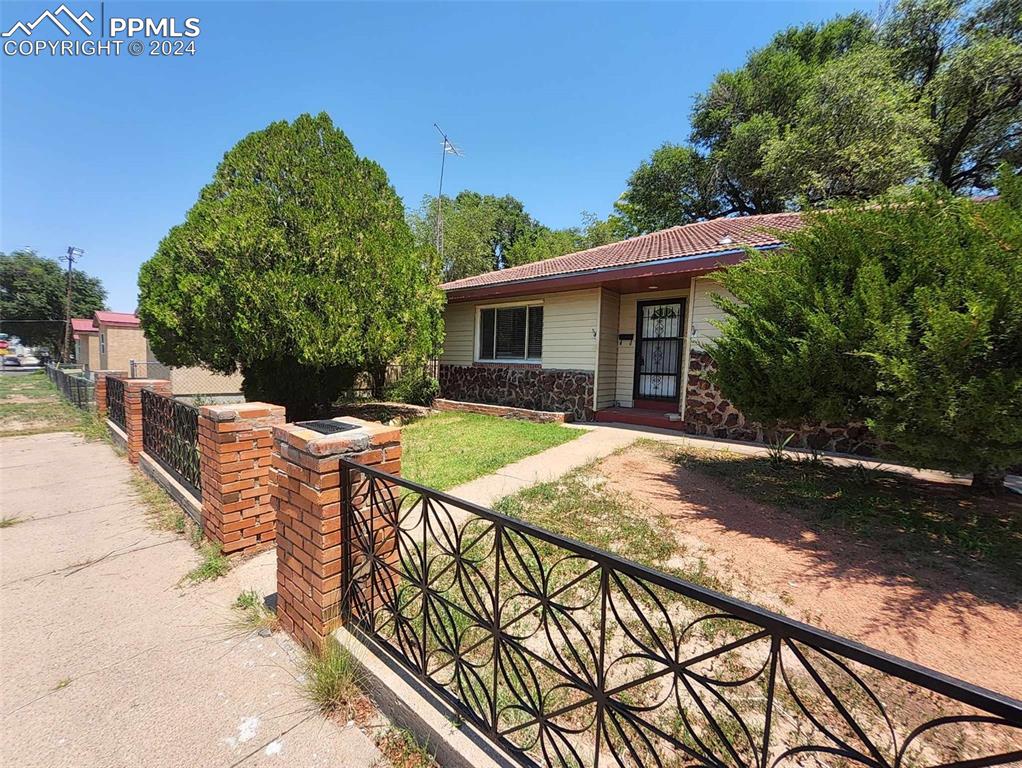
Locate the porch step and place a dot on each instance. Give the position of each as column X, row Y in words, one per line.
column 642, row 417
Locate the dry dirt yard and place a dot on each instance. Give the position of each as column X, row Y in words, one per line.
column 922, row 570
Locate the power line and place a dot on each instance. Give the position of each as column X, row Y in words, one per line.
column 73, row 253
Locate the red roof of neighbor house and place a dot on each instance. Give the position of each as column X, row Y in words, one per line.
column 82, row 325
column 697, row 239
column 124, row 319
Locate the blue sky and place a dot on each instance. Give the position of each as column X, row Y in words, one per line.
column 553, row 103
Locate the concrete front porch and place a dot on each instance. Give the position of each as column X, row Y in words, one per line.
column 642, row 417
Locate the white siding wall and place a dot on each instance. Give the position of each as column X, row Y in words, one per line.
column 606, row 377
column 569, row 329
column 459, row 334
column 704, row 311
column 626, row 349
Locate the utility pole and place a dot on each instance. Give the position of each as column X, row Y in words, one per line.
column 73, row 253
column 448, row 149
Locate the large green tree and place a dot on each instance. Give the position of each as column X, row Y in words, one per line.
column 33, row 296
column 904, row 314
column 485, row 232
column 936, row 85
column 295, row 264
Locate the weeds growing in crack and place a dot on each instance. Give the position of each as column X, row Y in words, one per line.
column 402, row 750
column 252, row 613
column 213, row 565
column 334, row 680
column 7, row 522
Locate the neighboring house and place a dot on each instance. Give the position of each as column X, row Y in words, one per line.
column 86, row 338
column 121, row 340
column 615, row 333
column 121, row 345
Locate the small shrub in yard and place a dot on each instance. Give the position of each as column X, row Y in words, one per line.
column 415, row 388
column 333, row 678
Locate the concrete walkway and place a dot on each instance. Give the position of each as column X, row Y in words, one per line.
column 601, row 440
column 544, row 466
column 106, row 661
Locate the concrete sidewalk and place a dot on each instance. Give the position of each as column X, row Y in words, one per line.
column 106, row 661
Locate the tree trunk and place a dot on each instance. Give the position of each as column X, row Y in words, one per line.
column 989, row 481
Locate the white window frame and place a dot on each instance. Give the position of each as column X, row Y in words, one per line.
column 477, row 346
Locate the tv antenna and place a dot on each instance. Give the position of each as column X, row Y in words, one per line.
column 448, row 149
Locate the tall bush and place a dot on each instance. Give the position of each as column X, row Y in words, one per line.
column 296, row 265
column 905, row 314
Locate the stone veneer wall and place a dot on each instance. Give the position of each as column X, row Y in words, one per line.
column 520, row 386
column 707, row 412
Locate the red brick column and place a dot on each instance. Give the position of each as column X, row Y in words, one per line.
column 307, row 490
column 133, row 411
column 101, row 377
column 235, row 442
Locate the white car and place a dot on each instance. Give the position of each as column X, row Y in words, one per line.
column 29, row 360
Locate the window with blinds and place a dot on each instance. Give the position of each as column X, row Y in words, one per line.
column 511, row 333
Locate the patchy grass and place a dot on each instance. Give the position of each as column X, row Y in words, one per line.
column 160, row 509
column 333, row 679
column 252, row 613
column 213, row 564
column 402, row 750
column 899, row 513
column 31, row 405
column 448, row 449
column 583, row 506
column 7, row 522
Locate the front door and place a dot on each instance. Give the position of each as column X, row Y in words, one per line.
column 660, row 336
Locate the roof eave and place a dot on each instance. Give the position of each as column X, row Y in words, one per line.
column 705, row 262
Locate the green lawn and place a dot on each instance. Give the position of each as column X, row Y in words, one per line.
column 448, row 449
column 30, row 405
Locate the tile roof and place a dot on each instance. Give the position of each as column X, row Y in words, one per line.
column 118, row 318
column 699, row 238
column 82, row 325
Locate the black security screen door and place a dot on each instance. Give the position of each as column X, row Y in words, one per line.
column 658, row 350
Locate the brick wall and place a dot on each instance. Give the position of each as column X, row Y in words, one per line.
column 307, row 487
column 235, row 444
column 133, row 410
column 101, row 377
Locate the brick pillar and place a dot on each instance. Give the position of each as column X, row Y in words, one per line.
column 101, row 377
column 235, row 443
column 307, row 490
column 133, row 411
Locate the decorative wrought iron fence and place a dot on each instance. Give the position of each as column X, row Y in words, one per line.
column 170, row 434
column 115, row 401
column 567, row 655
column 78, row 388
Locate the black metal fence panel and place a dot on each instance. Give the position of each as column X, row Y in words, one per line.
column 78, row 388
column 115, row 401
column 170, row 435
column 566, row 655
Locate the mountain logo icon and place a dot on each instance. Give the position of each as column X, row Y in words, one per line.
column 62, row 12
